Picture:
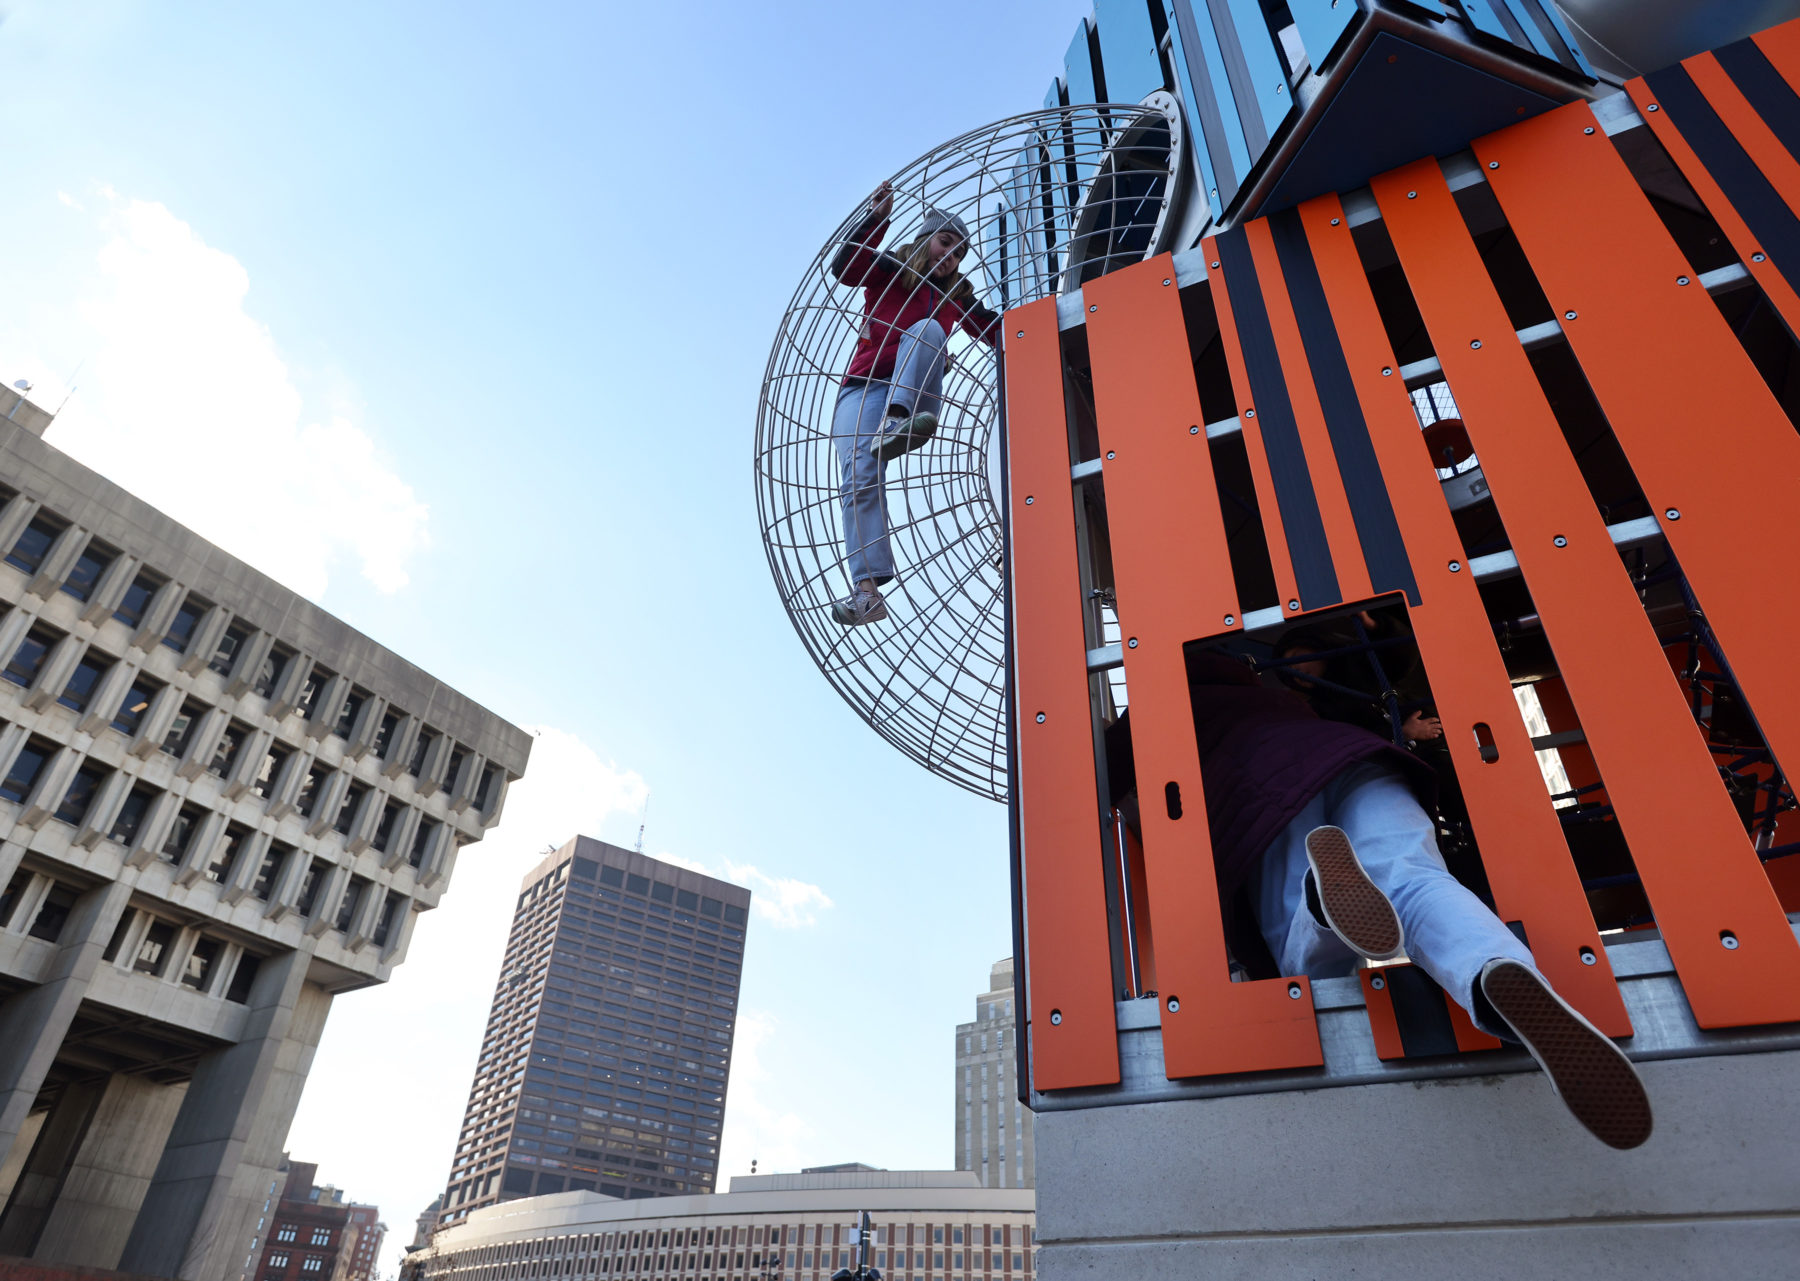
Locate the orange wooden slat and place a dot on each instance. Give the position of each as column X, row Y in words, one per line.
column 1067, row 953
column 1757, row 139
column 1174, row 584
column 1267, row 506
column 1468, row 1036
column 1600, row 250
column 1309, row 416
column 1522, row 847
column 1780, row 44
column 1767, row 275
column 1698, row 868
column 1385, row 1027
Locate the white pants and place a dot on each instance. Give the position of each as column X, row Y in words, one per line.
column 1450, row 934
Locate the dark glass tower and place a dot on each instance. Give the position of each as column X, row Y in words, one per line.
column 608, row 1045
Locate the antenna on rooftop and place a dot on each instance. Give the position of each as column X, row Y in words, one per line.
column 643, row 821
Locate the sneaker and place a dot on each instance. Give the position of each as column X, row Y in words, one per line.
column 1343, row 897
column 1590, row 1074
column 902, row 435
column 864, row 605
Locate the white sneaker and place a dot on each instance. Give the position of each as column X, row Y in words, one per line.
column 864, row 605
column 902, row 435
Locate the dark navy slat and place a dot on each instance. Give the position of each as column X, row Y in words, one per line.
column 1774, row 225
column 1314, row 573
column 1420, row 1012
column 1774, row 98
column 1383, row 547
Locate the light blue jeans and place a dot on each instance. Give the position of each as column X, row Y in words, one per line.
column 917, row 385
column 1450, row 934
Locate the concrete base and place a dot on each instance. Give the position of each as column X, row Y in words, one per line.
column 1471, row 1177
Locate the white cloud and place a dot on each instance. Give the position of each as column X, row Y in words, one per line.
column 412, row 1043
column 186, row 400
column 783, row 901
column 754, row 1129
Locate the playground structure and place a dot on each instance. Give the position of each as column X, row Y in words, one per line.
column 1459, row 335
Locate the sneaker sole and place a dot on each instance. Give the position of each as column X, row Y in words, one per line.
column 1591, row 1075
column 846, row 619
column 897, row 445
column 1355, row 908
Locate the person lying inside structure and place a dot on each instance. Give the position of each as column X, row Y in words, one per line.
column 1327, row 854
column 888, row 400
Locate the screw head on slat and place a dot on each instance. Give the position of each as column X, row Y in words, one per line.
column 1456, row 567
column 1336, row 221
column 1132, row 643
column 1249, row 413
column 1560, row 541
column 1673, row 513
column 1475, row 345
column 1215, row 265
column 1588, row 957
column 1029, row 500
column 1040, row 718
column 1021, row 333
column 1230, row 620
column 1174, row 1004
column 1056, row 1017
column 1293, row 991
column 1681, row 280
column 1412, row 195
column 1112, row 453
column 1758, row 256
column 1493, row 164
column 1094, row 306
column 1168, row 282
column 1652, row 107
column 1387, row 371
column 1193, row 431
column 1728, row 940
column 1568, row 315
column 1378, row 982
column 1294, row 605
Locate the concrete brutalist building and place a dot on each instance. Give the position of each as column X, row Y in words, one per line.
column 988, row 1111
column 219, row 808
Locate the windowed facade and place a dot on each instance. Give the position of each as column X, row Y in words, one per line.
column 136, row 601
column 23, row 775
column 187, row 618
column 22, row 668
column 84, row 680
column 34, row 544
column 135, row 703
column 95, row 559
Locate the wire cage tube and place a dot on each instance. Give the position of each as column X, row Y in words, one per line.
column 930, row 678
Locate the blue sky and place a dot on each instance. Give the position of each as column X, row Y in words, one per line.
column 453, row 316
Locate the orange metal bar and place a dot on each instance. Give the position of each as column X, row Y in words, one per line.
column 1268, row 507
column 1315, row 438
column 1767, row 275
column 1757, row 139
column 1468, row 1036
column 1522, row 847
column 1173, row 579
column 1379, row 1002
column 1781, row 46
column 1731, row 944
column 1073, row 1024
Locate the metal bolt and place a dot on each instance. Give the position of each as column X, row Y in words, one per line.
column 1293, row 991
column 1132, row 643
column 1456, row 567
column 1475, row 345
column 1412, row 195
column 1673, row 513
column 1588, row 957
column 1021, row 333
column 1249, row 413
column 1378, row 982
column 1040, row 718
column 1294, row 605
column 1194, row 431
column 1568, row 315
column 1168, row 282
column 1056, row 1017
column 1728, row 940
column 1174, row 1004
column 1651, row 107
column 1336, row 221
column 1560, row 541
column 1387, row 371
column 1231, row 620
column 1111, row 454
column 1493, row 164
column 1215, row 265
column 1758, row 256
column 1681, row 280
column 1029, row 500
column 1589, row 129
column 1093, row 306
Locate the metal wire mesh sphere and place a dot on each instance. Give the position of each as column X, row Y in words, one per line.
column 1047, row 200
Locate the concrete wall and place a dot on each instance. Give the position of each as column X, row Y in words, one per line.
column 1472, row 1178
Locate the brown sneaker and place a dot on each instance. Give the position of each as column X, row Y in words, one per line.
column 1590, row 1074
column 1346, row 900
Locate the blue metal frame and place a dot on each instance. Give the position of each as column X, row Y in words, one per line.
column 1128, row 49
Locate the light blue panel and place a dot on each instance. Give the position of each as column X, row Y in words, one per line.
column 1053, row 140
column 1322, row 24
column 1549, row 9
column 1127, row 49
column 1482, row 17
column 1530, row 28
column 1078, row 65
column 1214, row 59
column 1054, row 98
column 1267, row 79
column 1191, row 108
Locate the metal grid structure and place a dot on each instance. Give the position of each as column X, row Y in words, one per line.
column 1051, row 199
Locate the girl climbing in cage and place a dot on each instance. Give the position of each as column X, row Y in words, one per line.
column 889, row 398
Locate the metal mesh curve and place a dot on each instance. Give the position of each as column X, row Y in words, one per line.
column 1050, row 199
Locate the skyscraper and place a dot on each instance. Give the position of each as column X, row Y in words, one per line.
column 993, row 1129
column 608, row 1044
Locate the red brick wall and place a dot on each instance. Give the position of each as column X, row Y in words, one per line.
column 25, row 1270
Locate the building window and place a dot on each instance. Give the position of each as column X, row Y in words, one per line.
column 311, row 790
column 264, row 884
column 274, row 667
column 218, row 870
column 312, row 1264
column 181, row 627
column 19, row 780
column 200, row 964
column 280, row 1259
column 81, row 793
column 83, row 680
column 384, row 830
column 131, row 815
column 58, row 903
column 353, row 705
column 225, row 756
column 133, row 705
column 29, row 552
column 242, row 978
column 229, row 645
column 309, row 887
column 286, row 1234
column 182, row 727
column 181, row 831
column 309, row 693
column 390, row 911
column 273, row 759
column 421, row 747
column 92, row 563
column 385, row 735
column 154, row 950
column 137, row 598
column 320, row 1236
column 421, row 842
column 352, row 899
column 346, row 814
column 22, row 667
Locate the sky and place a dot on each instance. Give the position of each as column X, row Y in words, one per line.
column 452, row 317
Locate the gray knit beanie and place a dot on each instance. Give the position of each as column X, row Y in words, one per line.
column 936, row 220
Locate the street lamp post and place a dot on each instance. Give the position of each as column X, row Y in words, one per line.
column 863, row 1237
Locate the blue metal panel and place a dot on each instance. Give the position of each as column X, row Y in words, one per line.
column 1550, row 11
column 1261, row 60
column 1522, row 15
column 1322, row 24
column 1184, row 83
column 1483, row 17
column 1053, row 140
column 1079, row 65
column 1128, row 49
column 1054, row 98
column 1219, row 90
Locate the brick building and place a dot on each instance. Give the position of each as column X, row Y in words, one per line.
column 317, row 1235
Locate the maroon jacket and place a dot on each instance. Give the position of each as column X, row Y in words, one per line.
column 889, row 308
